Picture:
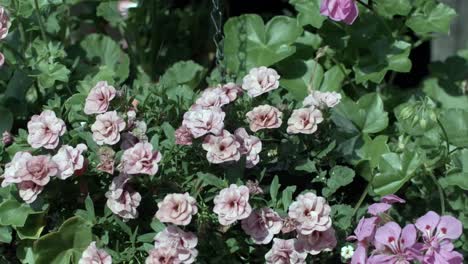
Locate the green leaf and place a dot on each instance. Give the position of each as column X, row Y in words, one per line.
column 309, row 12
column 446, row 98
column 395, row 170
column 181, row 79
column 373, row 149
column 367, row 113
column 431, row 17
column 250, row 43
column 6, row 121
column 14, row 213
column 51, row 73
column 458, row 176
column 306, row 165
column 210, row 179
column 383, row 57
column 333, row 79
column 274, row 188
column 298, row 75
column 341, row 215
column 456, row 179
column 110, row 12
column 391, row 8
column 33, row 227
column 339, row 176
column 287, row 196
column 5, row 234
column 65, row 245
column 157, row 226
column 455, row 123
column 109, row 54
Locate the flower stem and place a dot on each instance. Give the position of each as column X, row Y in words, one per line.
column 39, row 18
column 366, row 5
column 441, row 193
column 363, row 196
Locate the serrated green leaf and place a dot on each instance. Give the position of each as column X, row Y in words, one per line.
column 432, row 17
column 339, row 176
column 298, row 75
column 309, row 12
column 455, row 123
column 14, row 213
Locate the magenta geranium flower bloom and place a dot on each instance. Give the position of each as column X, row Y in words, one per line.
column 364, row 234
column 394, row 245
column 438, row 233
column 384, row 205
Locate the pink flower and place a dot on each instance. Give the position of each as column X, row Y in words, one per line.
column 93, row 255
column 316, row 242
column 311, row 212
column 106, row 158
column 213, row 97
column 28, row 191
column 107, row 128
column 4, row 23
column 304, row 120
column 99, row 98
column 163, row 255
column 69, row 160
column 7, row 138
column 183, row 136
column 121, row 200
column 140, row 159
column 322, row 100
column 264, row 116
column 45, row 129
column 222, row 148
column 254, row 187
column 177, row 208
column 340, row 10
column 438, row 232
column 262, row 224
column 232, row 91
column 249, row 146
column 11, row 174
column 38, row 169
column 395, row 244
column 260, row 80
column 201, row 121
column 232, row 204
column 384, row 205
column 364, row 234
column 124, row 5
column 283, row 251
column 183, row 242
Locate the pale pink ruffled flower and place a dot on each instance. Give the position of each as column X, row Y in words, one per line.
column 4, row 23
column 322, row 100
column 183, row 136
column 264, row 116
column 260, row 80
column 232, row 204
column 106, row 158
column 124, row 5
column 262, row 224
column 121, row 200
column 250, row 146
column 201, row 121
column 141, row 159
column 28, row 191
column 340, row 10
column 38, row 169
column 304, row 121
column 184, row 242
column 177, row 208
column 69, row 160
column 316, row 242
column 99, row 98
column 107, row 128
column 94, row 255
column 232, row 90
column 311, row 212
column 213, row 97
column 45, row 129
column 163, row 255
column 222, row 148
column 11, row 174
column 283, row 251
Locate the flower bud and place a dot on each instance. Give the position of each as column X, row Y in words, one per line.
column 7, row 138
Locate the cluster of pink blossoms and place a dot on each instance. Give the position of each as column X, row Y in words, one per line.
column 94, row 255
column 32, row 173
column 138, row 156
column 340, row 10
column 206, row 118
column 387, row 242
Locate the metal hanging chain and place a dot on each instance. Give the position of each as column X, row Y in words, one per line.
column 218, row 37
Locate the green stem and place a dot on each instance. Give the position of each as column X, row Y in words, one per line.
column 365, row 5
column 363, row 196
column 447, row 144
column 441, row 193
column 39, row 18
